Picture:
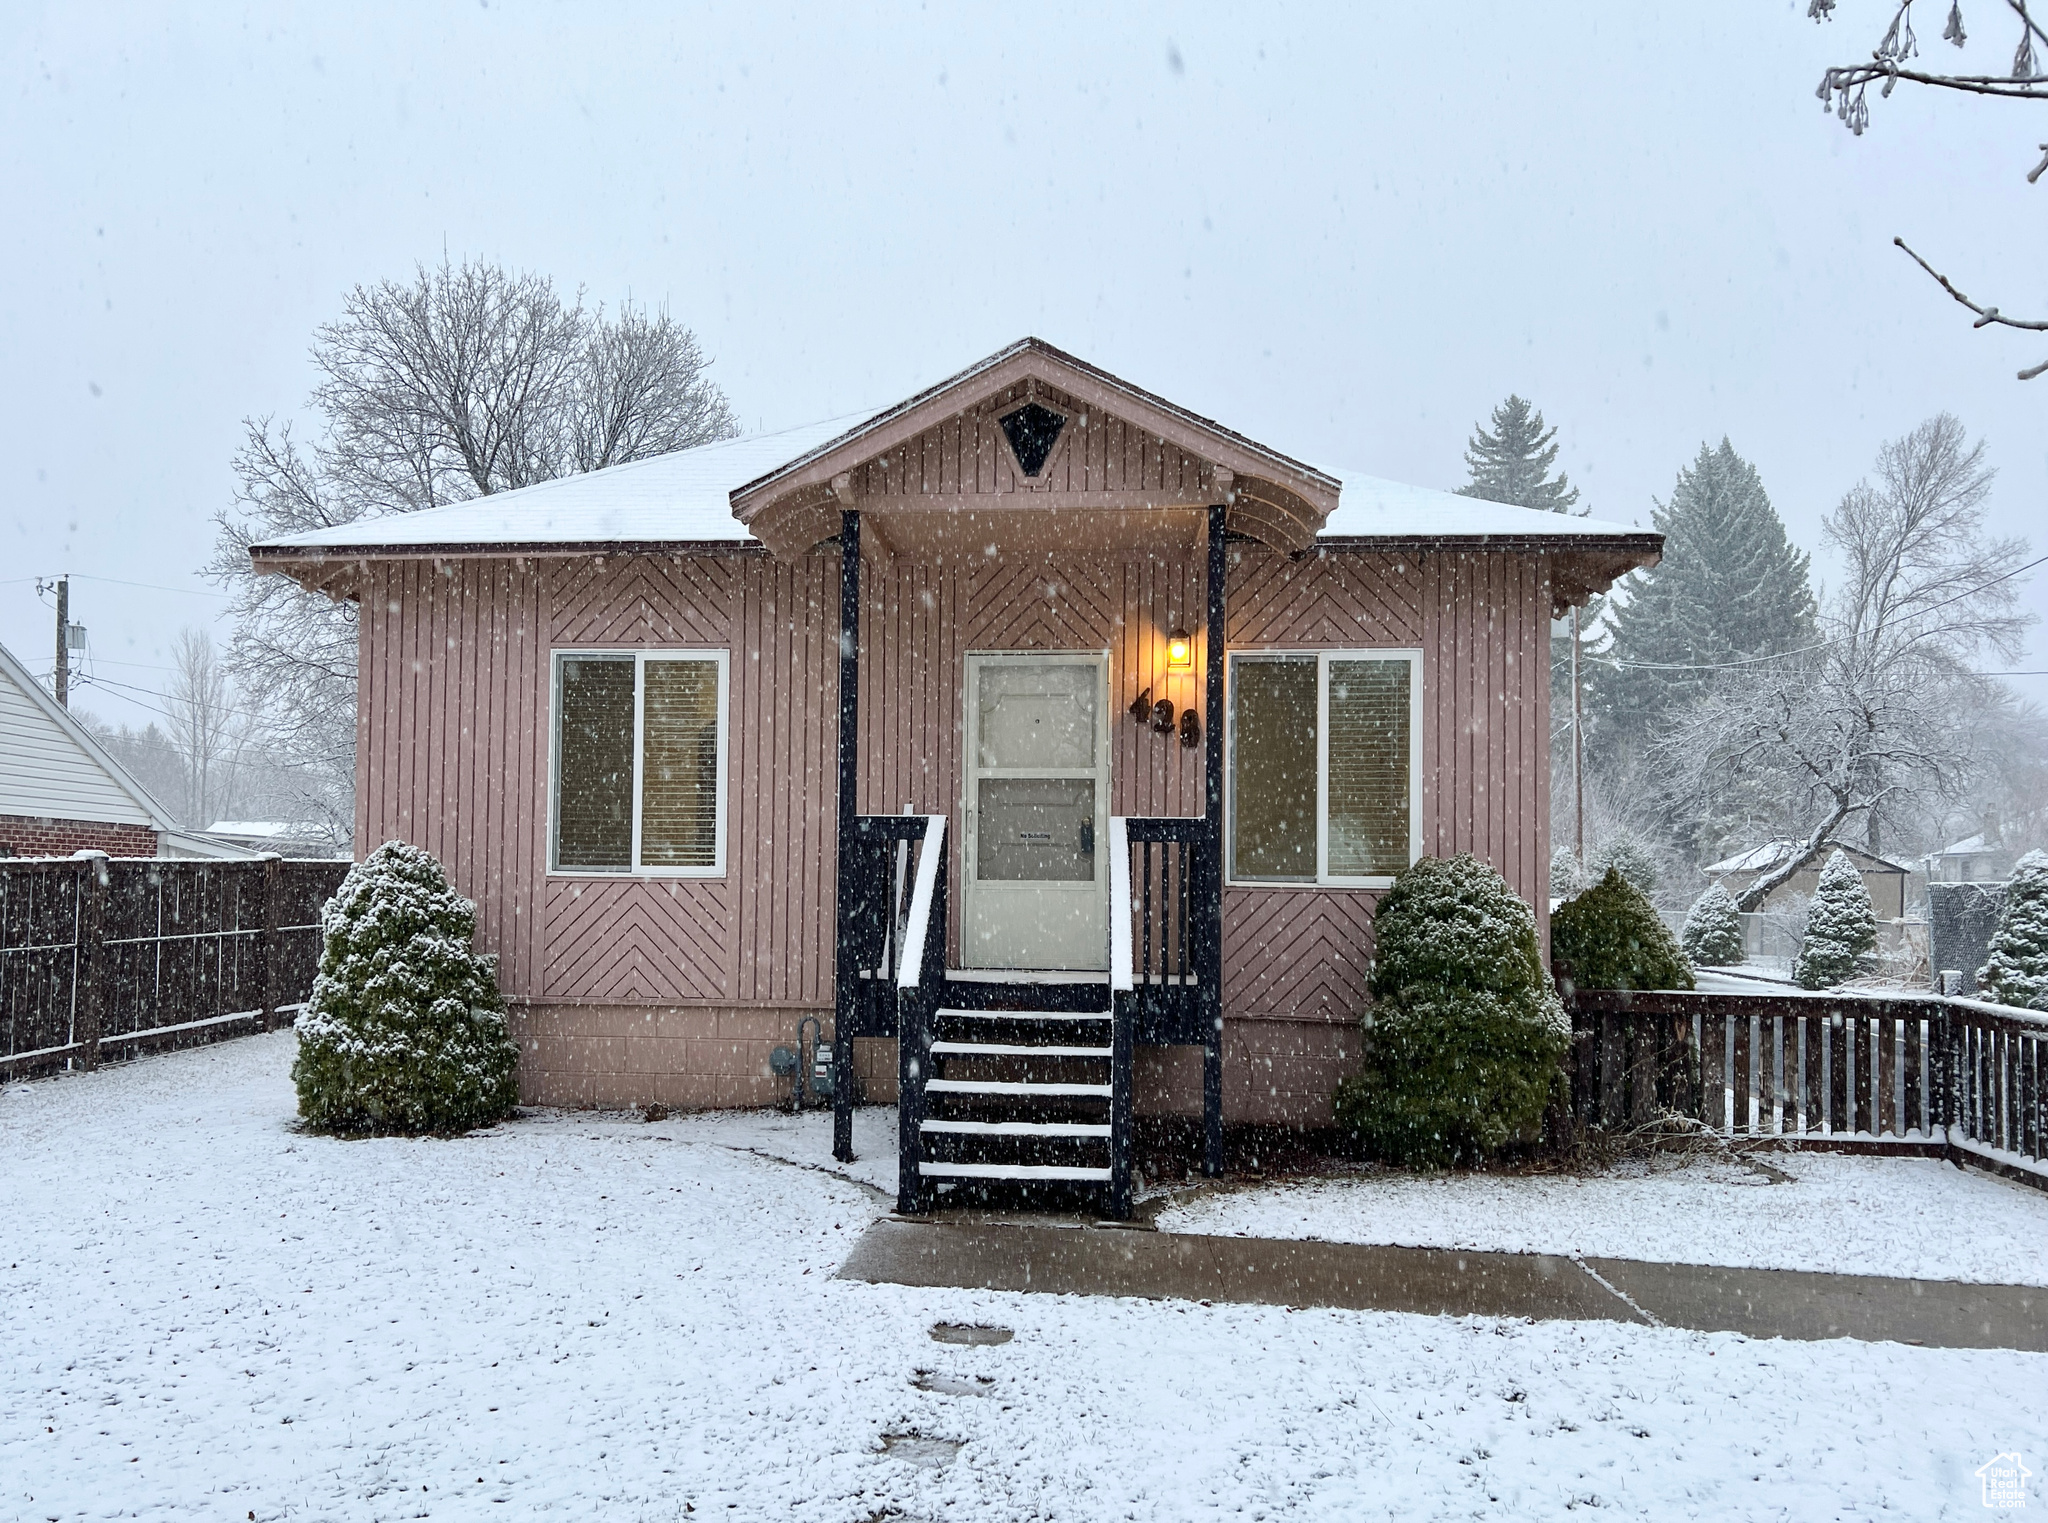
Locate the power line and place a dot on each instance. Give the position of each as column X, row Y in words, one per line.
column 83, row 576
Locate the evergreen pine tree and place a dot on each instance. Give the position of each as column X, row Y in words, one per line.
column 1841, row 927
column 1712, row 937
column 1512, row 464
column 404, row 1030
column 2017, row 971
column 1730, row 585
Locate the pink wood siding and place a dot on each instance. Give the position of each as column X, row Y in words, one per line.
column 1482, row 623
column 454, row 744
column 454, row 733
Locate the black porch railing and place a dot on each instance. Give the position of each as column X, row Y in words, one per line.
column 891, row 950
column 1166, row 955
column 1856, row 1070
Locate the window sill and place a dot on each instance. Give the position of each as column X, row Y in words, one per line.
column 632, row 874
column 1341, row 885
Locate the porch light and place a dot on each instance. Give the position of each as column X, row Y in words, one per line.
column 1180, row 651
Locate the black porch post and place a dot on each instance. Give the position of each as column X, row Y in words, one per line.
column 1211, row 908
column 845, row 978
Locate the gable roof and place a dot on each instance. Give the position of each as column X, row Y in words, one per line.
column 780, row 489
column 1761, row 859
column 51, row 768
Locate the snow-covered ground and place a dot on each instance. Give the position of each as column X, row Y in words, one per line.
column 204, row 1314
column 1913, row 1217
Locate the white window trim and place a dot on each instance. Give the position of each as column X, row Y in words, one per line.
column 640, row 656
column 1323, row 657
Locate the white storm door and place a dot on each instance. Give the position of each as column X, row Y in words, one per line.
column 1035, row 893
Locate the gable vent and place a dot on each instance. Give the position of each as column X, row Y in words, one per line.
column 1032, row 431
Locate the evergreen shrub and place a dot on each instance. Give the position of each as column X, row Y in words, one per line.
column 1610, row 937
column 2017, row 971
column 1465, row 1039
column 1841, row 927
column 404, row 1031
column 1627, row 856
column 1712, row 937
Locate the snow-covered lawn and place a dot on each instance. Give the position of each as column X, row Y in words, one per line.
column 1913, row 1217
column 204, row 1314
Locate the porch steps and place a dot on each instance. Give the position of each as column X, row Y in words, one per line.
column 1020, row 1087
column 1018, row 1095
column 1038, row 1171
column 1023, row 1015
column 1004, row 1050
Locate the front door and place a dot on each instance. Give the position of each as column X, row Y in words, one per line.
column 1036, row 758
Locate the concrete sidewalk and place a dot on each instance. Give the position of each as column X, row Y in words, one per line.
column 1763, row 1303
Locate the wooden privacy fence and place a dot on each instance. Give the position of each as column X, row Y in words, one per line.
column 115, row 955
column 1903, row 1073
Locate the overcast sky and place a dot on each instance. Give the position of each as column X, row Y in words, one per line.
column 1345, row 230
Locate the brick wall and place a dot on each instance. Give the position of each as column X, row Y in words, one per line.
column 24, row 836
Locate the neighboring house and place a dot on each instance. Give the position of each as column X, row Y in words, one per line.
column 284, row 838
column 1885, row 880
column 1981, row 858
column 667, row 730
column 60, row 792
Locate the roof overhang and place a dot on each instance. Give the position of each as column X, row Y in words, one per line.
column 1267, row 496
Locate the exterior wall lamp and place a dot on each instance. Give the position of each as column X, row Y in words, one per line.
column 1180, row 651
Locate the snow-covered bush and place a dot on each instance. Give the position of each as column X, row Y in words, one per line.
column 1628, row 856
column 1712, row 937
column 1841, row 927
column 1610, row 937
column 1465, row 1039
column 2017, row 972
column 404, row 1031
column 1567, row 873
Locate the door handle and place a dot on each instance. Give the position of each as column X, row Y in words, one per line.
column 1087, row 838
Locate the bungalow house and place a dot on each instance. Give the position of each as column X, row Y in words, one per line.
column 60, row 792
column 1885, row 880
column 1046, row 742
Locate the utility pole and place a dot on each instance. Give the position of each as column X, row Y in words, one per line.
column 63, row 642
column 1578, row 754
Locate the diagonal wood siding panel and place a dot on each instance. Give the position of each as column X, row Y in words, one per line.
column 1482, row 622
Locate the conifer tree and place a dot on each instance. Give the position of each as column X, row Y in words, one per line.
column 1712, row 937
column 1730, row 586
column 1841, row 927
column 2017, row 972
column 405, row 1030
column 1465, row 1038
column 1512, row 464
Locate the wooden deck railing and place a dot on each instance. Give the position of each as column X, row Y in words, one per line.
column 109, row 956
column 1842, row 1069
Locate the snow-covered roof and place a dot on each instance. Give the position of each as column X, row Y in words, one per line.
column 1374, row 508
column 51, row 768
column 1761, row 859
column 1973, row 846
column 684, row 498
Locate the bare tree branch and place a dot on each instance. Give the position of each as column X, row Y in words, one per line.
column 1985, row 315
column 464, row 381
